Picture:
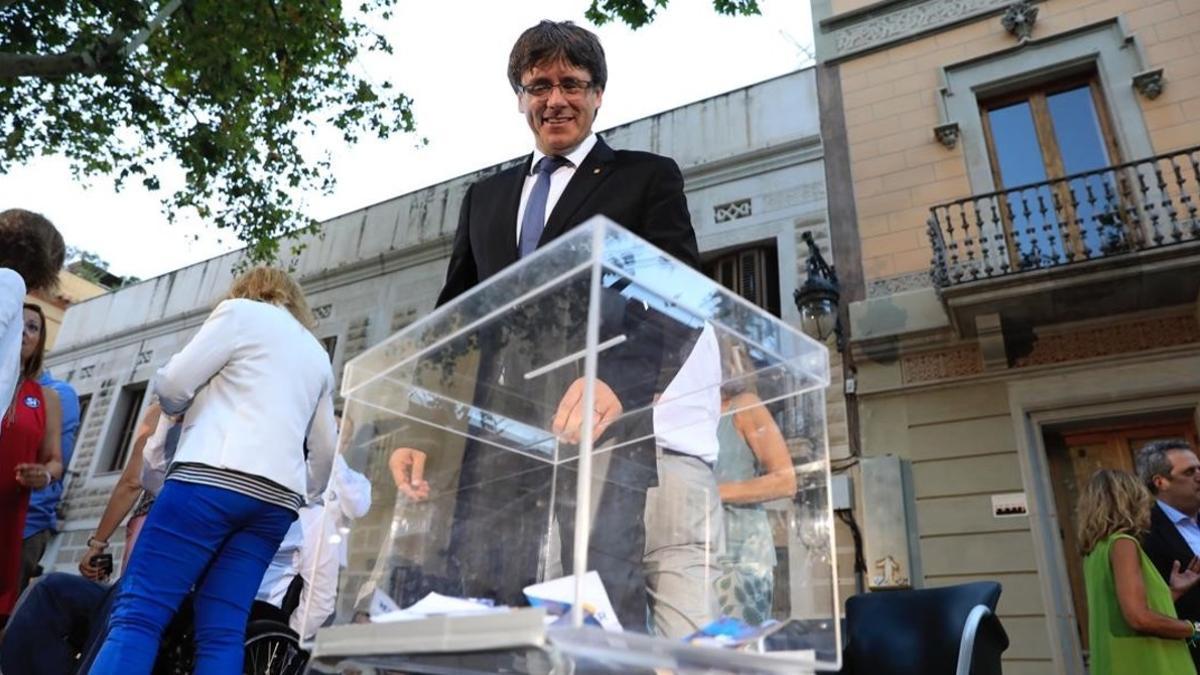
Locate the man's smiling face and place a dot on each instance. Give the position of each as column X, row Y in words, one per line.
column 559, row 121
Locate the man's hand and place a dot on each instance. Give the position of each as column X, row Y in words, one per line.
column 1183, row 579
column 568, row 420
column 33, row 476
column 87, row 569
column 408, row 470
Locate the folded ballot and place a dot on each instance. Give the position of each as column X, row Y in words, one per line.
column 558, row 596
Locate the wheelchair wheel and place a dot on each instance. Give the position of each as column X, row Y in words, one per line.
column 272, row 649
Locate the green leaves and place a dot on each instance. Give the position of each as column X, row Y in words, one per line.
column 638, row 13
column 223, row 90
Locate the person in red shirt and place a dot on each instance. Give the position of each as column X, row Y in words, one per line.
column 29, row 457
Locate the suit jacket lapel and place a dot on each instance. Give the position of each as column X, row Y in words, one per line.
column 1170, row 534
column 503, row 228
column 593, row 171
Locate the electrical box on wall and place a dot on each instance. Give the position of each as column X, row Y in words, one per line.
column 841, row 492
column 885, row 523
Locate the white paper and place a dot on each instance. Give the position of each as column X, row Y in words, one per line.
column 381, row 604
column 436, row 604
column 562, row 591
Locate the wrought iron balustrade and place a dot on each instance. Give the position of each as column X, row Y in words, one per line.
column 1135, row 206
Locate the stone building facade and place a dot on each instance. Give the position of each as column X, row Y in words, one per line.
column 1042, row 156
column 72, row 289
column 754, row 177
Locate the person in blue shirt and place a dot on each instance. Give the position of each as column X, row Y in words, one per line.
column 41, row 522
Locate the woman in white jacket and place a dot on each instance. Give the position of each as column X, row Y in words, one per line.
column 255, row 389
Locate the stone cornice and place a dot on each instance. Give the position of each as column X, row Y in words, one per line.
column 753, row 163
column 891, row 21
column 364, row 269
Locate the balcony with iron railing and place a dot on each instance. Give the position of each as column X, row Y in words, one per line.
column 1120, row 238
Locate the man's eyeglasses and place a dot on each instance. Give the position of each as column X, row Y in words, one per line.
column 568, row 88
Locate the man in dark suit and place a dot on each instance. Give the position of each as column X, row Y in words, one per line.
column 1171, row 471
column 558, row 73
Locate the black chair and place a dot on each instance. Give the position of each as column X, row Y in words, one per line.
column 934, row 631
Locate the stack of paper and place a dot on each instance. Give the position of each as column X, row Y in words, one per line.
column 436, row 604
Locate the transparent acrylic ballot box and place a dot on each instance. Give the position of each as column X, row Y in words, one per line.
column 598, row 460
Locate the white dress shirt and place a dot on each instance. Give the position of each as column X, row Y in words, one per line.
column 1186, row 526
column 257, row 388
column 688, row 412
column 558, row 179
column 12, row 325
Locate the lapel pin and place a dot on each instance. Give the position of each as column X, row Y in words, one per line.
column 595, row 171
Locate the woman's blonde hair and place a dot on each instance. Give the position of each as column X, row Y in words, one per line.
column 1112, row 502
column 273, row 285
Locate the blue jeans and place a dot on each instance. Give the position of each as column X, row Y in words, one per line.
column 216, row 540
column 51, row 625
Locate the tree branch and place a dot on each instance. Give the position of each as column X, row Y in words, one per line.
column 164, row 13
column 48, row 66
column 112, row 48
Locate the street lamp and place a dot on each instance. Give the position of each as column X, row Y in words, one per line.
column 817, row 299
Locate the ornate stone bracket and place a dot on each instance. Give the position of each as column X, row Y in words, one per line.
column 1018, row 20
column 947, row 134
column 1149, row 83
column 990, row 331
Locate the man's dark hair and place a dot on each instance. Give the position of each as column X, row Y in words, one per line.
column 32, row 247
column 548, row 42
column 1152, row 460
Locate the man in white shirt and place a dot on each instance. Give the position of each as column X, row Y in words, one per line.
column 685, row 531
column 315, row 549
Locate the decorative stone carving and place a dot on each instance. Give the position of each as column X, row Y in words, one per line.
column 944, row 364
column 1149, row 83
column 878, row 288
column 323, row 312
column 144, row 357
column 884, row 27
column 403, row 317
column 947, row 134
column 1018, row 20
column 1098, row 341
column 731, row 211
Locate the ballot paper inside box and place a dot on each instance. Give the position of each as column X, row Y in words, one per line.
column 531, row 420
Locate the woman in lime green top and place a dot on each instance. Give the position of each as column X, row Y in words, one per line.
column 1132, row 626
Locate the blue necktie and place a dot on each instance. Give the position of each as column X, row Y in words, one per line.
column 534, row 220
